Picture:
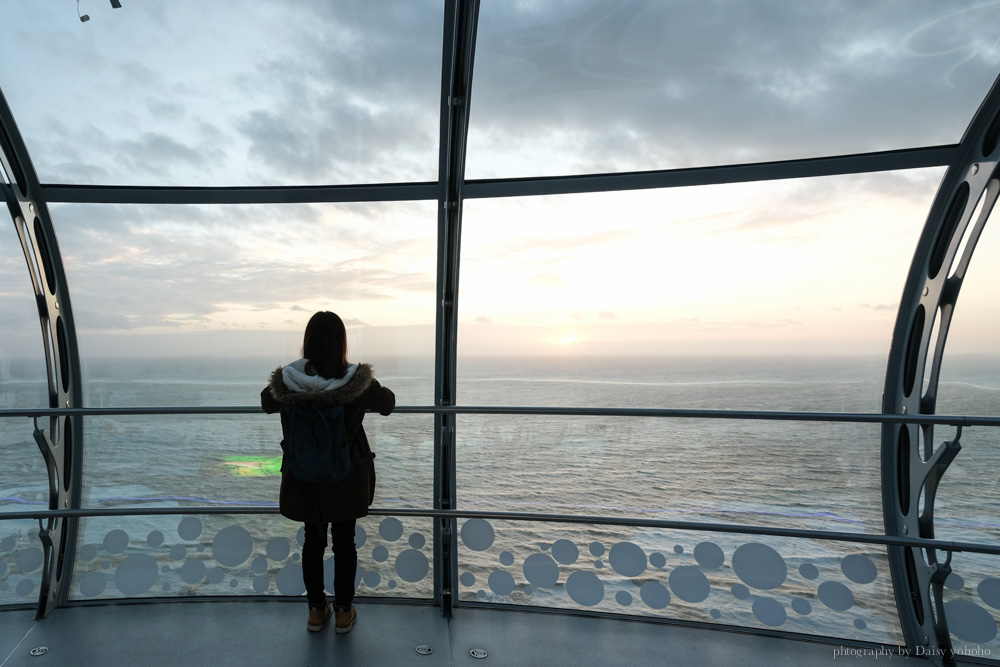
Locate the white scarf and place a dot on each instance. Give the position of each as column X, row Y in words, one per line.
column 296, row 378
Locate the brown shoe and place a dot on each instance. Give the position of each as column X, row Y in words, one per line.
column 318, row 616
column 346, row 620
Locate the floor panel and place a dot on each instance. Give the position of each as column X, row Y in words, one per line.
column 253, row 632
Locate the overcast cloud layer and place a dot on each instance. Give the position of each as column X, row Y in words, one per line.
column 194, row 93
column 276, row 93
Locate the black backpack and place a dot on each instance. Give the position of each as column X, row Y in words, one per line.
column 315, row 443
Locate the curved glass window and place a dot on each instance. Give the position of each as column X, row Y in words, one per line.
column 184, row 306
column 715, row 297
column 218, row 94
column 589, row 87
column 23, row 384
column 814, row 587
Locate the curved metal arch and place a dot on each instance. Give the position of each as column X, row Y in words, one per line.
column 61, row 440
column 911, row 465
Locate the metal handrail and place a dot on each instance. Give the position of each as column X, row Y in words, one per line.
column 673, row 413
column 698, row 526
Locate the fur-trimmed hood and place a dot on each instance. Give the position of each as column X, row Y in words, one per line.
column 290, row 385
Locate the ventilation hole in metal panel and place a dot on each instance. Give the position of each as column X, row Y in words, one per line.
column 970, row 235
column 43, row 253
column 916, row 596
column 54, row 430
column 7, row 146
column 32, row 258
column 62, row 552
column 50, row 360
column 932, row 343
column 913, row 351
column 947, row 229
column 67, row 452
column 992, row 136
column 903, row 469
column 922, row 500
column 925, row 441
column 63, row 354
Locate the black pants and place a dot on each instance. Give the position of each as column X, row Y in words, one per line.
column 345, row 562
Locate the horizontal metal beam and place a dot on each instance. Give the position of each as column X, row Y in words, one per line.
column 672, row 413
column 917, row 158
column 308, row 194
column 698, row 526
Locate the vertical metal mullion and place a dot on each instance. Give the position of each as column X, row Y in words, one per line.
column 458, row 50
column 61, row 445
column 911, row 464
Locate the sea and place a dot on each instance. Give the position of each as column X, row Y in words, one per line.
column 797, row 474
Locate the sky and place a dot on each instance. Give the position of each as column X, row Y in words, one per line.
column 281, row 93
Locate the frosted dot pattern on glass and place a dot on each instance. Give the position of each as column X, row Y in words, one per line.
column 709, row 555
column 391, row 529
column 860, row 569
column 540, row 570
column 477, row 534
column 769, row 612
column 412, row 565
column 585, row 588
column 989, row 592
column 115, row 541
column 565, row 552
column 220, row 555
column 689, row 584
column 501, row 582
column 21, row 562
column 782, row 583
column 232, row 546
column 30, row 559
column 970, row 622
column 759, row 566
column 627, row 559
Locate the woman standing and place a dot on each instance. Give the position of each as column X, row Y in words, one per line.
column 324, row 378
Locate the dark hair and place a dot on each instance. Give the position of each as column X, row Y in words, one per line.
column 325, row 345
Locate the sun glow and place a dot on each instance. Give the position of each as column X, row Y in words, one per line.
column 569, row 338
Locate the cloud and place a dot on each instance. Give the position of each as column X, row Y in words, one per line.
column 653, row 85
column 879, row 306
column 482, row 319
column 606, row 315
column 142, row 266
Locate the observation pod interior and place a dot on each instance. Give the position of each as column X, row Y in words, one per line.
column 668, row 294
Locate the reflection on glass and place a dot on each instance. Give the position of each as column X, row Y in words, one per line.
column 584, row 87
column 175, row 461
column 972, row 604
column 21, row 560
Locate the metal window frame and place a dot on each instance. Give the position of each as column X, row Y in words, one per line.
column 919, row 335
